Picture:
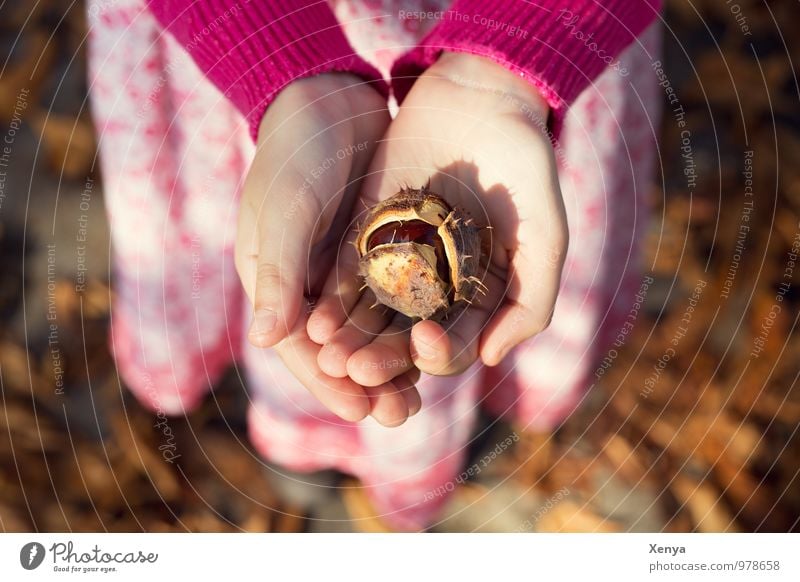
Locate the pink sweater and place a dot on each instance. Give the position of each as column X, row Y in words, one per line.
column 251, row 49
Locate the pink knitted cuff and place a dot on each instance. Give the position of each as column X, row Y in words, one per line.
column 559, row 46
column 251, row 49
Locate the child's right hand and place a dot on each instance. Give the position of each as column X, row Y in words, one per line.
column 315, row 142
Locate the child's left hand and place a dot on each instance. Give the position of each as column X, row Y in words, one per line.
column 477, row 129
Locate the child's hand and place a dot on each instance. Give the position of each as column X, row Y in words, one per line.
column 315, row 143
column 477, row 130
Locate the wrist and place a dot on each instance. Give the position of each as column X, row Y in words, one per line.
column 484, row 74
column 336, row 95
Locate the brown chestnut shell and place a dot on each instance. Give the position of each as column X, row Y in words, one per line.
column 419, row 277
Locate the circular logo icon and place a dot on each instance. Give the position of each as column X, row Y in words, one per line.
column 31, row 555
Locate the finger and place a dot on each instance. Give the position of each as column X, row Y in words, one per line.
column 340, row 293
column 526, row 310
column 431, row 349
column 364, row 322
column 281, row 268
column 245, row 256
column 389, row 407
column 446, row 352
column 450, row 347
column 512, row 325
column 406, row 385
column 342, row 396
column 386, row 357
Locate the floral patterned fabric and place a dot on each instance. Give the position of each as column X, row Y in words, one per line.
column 174, row 153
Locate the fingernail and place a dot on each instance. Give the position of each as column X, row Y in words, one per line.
column 264, row 322
column 425, row 351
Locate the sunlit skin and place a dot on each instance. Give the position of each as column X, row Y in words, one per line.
column 286, row 228
column 485, row 154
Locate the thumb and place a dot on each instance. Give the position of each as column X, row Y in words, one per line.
column 286, row 206
column 286, row 213
column 286, row 227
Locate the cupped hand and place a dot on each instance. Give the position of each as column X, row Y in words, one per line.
column 314, row 144
column 477, row 132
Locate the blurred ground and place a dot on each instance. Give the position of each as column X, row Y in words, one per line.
column 704, row 438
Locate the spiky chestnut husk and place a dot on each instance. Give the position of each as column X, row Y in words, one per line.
column 418, row 255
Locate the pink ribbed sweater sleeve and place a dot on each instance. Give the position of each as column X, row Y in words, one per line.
column 251, row 49
column 559, row 46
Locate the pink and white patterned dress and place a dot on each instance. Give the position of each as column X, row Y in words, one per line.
column 174, row 153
